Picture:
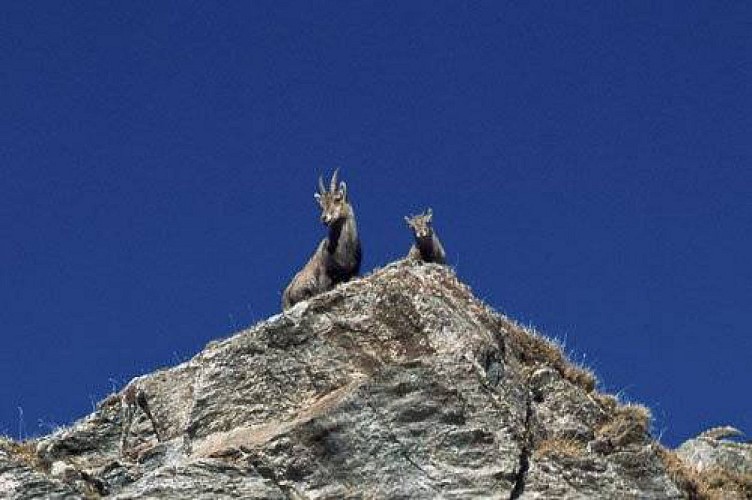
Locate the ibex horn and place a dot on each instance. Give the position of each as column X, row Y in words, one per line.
column 322, row 189
column 333, row 184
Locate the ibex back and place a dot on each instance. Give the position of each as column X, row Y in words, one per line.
column 338, row 256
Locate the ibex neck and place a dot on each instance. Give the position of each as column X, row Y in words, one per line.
column 344, row 247
column 342, row 232
column 427, row 245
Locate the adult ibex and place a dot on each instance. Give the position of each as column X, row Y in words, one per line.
column 427, row 246
column 338, row 256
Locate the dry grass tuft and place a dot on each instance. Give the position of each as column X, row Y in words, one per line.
column 580, row 376
column 608, row 402
column 681, row 474
column 25, row 452
column 629, row 424
column 532, row 349
column 535, row 350
column 636, row 413
column 719, row 483
column 560, row 447
column 724, row 484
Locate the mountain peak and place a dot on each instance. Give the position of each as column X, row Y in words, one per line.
column 398, row 384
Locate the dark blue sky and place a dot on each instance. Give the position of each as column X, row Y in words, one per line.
column 588, row 165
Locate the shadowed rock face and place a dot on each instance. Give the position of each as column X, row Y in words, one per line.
column 397, row 385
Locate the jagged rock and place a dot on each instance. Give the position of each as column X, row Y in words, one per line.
column 717, row 468
column 711, row 452
column 397, row 385
column 561, row 409
column 722, row 432
column 203, row 479
column 20, row 481
column 63, row 470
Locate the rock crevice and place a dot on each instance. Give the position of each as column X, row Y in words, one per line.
column 525, row 451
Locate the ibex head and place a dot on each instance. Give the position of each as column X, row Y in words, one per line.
column 421, row 224
column 333, row 203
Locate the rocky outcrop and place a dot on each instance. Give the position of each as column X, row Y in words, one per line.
column 19, row 479
column 706, row 452
column 721, row 468
column 398, row 385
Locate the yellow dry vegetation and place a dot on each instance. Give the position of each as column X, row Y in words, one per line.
column 628, row 424
column 535, row 350
column 709, row 484
column 559, row 447
column 23, row 451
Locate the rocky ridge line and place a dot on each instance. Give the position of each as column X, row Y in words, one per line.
column 399, row 384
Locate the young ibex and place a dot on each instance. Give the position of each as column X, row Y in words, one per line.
column 338, row 256
column 427, row 246
column 132, row 398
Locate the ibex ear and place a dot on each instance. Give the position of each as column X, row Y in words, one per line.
column 317, row 197
column 429, row 214
column 407, row 219
column 343, row 189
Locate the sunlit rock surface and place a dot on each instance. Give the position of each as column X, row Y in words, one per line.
column 398, row 385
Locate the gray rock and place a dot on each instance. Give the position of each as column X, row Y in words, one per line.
column 19, row 481
column 630, row 474
column 202, row 479
column 707, row 453
column 398, row 385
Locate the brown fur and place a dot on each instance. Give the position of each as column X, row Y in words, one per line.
column 337, row 258
column 427, row 246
